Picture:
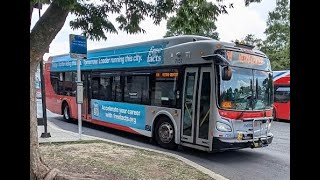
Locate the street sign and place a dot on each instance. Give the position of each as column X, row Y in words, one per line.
column 78, row 46
column 78, row 50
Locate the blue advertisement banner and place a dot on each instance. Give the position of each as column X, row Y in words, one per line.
column 130, row 115
column 140, row 56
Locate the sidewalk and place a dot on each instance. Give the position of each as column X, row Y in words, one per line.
column 60, row 135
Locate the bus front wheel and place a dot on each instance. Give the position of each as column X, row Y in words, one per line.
column 165, row 133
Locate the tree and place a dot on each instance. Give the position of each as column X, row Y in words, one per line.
column 254, row 41
column 94, row 21
column 194, row 17
column 277, row 43
column 92, row 18
column 198, row 17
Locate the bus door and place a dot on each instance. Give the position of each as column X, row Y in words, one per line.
column 196, row 109
column 86, row 96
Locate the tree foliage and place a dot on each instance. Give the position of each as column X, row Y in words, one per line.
column 198, row 17
column 253, row 40
column 277, row 43
column 195, row 17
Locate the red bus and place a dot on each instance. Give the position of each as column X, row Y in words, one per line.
column 281, row 104
column 186, row 90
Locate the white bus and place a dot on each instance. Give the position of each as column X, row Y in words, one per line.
column 186, row 90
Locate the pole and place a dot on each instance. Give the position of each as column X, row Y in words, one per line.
column 45, row 134
column 79, row 104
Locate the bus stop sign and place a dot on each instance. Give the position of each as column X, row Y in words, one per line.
column 78, row 46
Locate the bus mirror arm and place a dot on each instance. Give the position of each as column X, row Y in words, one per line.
column 218, row 59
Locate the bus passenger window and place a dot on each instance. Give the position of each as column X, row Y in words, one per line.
column 136, row 89
column 164, row 88
column 282, row 94
column 116, row 89
column 63, row 83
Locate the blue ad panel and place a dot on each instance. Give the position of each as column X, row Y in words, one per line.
column 131, row 115
column 140, row 56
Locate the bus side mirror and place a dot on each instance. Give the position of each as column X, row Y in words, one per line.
column 226, row 73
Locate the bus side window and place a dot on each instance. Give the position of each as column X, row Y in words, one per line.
column 136, row 89
column 164, row 88
column 95, row 87
column 282, row 94
column 117, row 93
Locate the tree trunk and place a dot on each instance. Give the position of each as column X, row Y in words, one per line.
column 41, row 37
column 37, row 168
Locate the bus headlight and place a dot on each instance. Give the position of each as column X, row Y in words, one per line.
column 223, row 127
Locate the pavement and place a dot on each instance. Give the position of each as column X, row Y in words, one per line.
column 272, row 162
column 59, row 135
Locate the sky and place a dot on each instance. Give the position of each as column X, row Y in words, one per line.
column 239, row 22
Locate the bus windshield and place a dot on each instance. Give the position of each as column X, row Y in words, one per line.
column 248, row 89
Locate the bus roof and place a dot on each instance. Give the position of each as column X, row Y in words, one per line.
column 177, row 50
column 173, row 41
column 281, row 77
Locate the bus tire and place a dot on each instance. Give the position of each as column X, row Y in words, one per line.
column 66, row 112
column 165, row 133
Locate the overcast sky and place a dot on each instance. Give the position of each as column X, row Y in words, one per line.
column 239, row 22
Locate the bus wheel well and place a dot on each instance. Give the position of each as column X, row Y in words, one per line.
column 64, row 104
column 164, row 132
column 65, row 111
column 155, row 122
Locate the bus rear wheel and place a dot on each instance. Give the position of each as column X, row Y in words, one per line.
column 165, row 134
column 66, row 112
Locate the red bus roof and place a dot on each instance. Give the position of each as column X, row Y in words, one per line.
column 281, row 77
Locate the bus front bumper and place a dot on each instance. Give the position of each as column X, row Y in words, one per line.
column 220, row 144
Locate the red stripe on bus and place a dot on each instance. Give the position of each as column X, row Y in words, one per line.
column 238, row 115
column 114, row 126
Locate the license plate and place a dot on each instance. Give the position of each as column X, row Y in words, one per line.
column 240, row 136
column 248, row 124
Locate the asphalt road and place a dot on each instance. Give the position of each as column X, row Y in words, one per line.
column 272, row 162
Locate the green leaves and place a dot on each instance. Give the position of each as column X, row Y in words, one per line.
column 277, row 43
column 248, row 2
column 254, row 41
column 198, row 17
column 93, row 19
column 195, row 17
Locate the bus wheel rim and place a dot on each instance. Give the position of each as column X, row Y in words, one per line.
column 165, row 132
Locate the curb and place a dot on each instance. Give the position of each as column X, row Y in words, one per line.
column 187, row 161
